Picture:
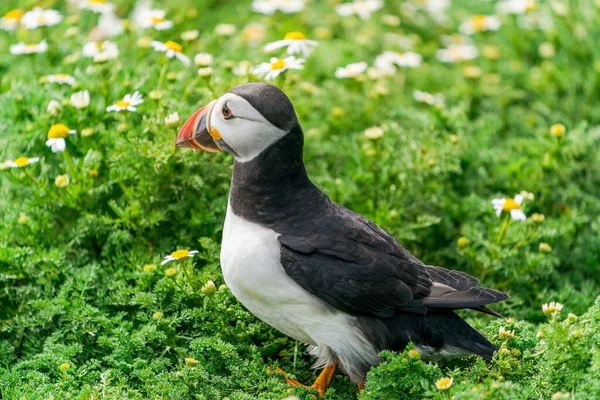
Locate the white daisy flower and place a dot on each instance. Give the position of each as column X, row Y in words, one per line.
column 457, row 53
column 24, row 48
column 374, row 133
column 22, row 161
column 254, row 33
column 428, row 98
column 203, row 59
column 516, row 6
column 153, row 19
column 101, row 51
column 268, row 7
column 225, row 29
column 295, row 42
column 388, row 60
column 179, row 255
column 480, row 23
column 511, row 206
column 80, row 99
column 550, row 308
column 351, row 70
column 129, row 103
column 435, row 8
column 172, row 119
column 56, row 137
column 109, row 25
column 362, row 8
column 11, row 20
column 171, row 49
column 61, row 79
column 244, row 68
column 277, row 66
column 40, row 17
column 62, row 181
column 190, row 35
column 54, row 107
column 456, row 38
column 204, row 72
column 97, row 6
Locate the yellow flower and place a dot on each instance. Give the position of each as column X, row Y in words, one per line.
column 157, row 315
column 462, row 242
column 22, row 161
column 414, row 354
column 23, row 219
column 472, row 72
column 149, row 267
column 179, row 255
column 558, row 130
column 64, row 366
column 374, row 133
column 545, row 248
column 550, row 308
column 191, row 362
column 171, row 272
column 538, row 218
column 58, row 131
column 503, row 333
column 444, row 383
column 209, row 288
column 62, row 181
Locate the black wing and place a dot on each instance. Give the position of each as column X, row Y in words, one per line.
column 352, row 264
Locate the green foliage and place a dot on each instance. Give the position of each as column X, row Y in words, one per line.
column 86, row 309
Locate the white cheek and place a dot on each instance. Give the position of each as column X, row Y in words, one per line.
column 247, row 137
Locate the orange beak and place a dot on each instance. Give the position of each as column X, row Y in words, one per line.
column 194, row 134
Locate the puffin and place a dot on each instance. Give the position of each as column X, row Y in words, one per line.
column 315, row 270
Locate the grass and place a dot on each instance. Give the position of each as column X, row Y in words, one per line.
column 86, row 309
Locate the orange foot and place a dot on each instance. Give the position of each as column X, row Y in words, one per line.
column 320, row 385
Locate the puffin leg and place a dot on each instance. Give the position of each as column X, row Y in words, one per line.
column 321, row 383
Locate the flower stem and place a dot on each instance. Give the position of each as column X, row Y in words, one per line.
column 70, row 165
column 187, row 276
column 163, row 73
column 502, row 232
column 32, row 178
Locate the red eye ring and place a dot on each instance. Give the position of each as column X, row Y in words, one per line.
column 227, row 114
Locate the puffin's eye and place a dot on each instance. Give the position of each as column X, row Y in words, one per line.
column 227, row 114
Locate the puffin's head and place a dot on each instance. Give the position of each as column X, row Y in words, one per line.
column 244, row 122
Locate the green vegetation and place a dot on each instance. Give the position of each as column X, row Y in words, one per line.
column 86, row 309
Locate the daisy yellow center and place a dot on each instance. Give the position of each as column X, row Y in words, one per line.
column 510, row 204
column 58, row 131
column 157, row 20
column 31, row 46
column 456, row 53
column 444, row 383
column 531, row 5
column 171, row 45
column 99, row 45
column 479, row 22
column 98, row 1
column 62, row 76
column 21, row 161
column 294, row 36
column 279, row 64
column 123, row 103
column 180, row 254
column 41, row 19
column 14, row 14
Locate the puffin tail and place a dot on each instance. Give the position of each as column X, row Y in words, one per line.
column 437, row 335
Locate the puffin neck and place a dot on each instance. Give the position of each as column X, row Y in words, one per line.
column 274, row 186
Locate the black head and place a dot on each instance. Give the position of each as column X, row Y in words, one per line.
column 246, row 121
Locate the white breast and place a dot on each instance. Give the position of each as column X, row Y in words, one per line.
column 250, row 259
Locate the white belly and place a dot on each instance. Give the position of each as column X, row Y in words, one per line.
column 250, row 259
